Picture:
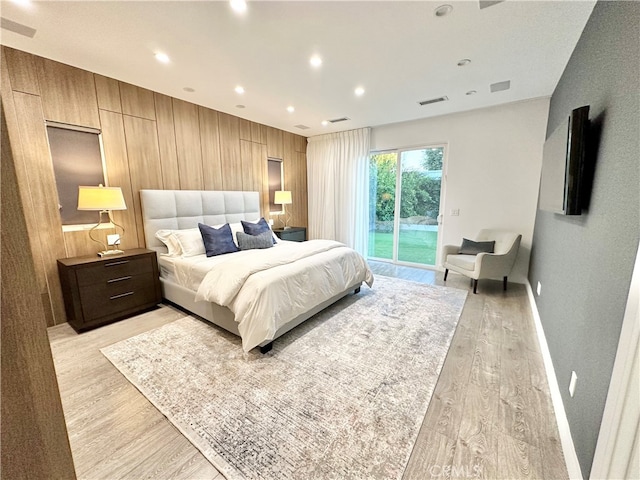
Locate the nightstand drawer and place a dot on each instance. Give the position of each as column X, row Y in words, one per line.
column 107, row 298
column 293, row 234
column 113, row 269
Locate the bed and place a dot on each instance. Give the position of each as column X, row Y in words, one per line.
column 256, row 294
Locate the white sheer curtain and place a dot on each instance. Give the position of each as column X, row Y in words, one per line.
column 338, row 187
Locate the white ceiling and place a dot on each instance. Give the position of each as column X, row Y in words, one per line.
column 400, row 52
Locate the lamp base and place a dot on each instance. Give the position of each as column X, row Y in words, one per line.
column 287, row 228
column 106, row 253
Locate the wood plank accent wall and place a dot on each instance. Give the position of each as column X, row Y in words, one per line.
column 188, row 145
column 150, row 141
column 68, row 93
column 33, row 439
column 210, row 143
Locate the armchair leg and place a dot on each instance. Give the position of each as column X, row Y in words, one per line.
column 475, row 285
column 504, row 283
column 446, row 272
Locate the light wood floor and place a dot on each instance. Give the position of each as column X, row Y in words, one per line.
column 490, row 415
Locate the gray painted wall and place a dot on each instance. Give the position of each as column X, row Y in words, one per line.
column 585, row 263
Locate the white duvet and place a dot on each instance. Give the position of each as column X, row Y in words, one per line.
column 265, row 289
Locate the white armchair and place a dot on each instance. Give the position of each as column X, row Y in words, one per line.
column 484, row 265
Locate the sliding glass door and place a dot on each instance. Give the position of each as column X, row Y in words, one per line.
column 382, row 204
column 405, row 190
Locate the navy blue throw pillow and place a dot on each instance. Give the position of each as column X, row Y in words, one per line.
column 217, row 241
column 256, row 228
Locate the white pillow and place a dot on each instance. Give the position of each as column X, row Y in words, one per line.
column 235, row 228
column 167, row 237
column 190, row 241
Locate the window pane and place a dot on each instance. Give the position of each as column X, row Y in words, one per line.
column 76, row 161
column 382, row 195
column 419, row 205
column 275, row 183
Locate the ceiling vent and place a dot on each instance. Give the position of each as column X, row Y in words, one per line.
column 302, row 127
column 338, row 120
column 500, row 86
column 433, row 100
column 489, row 3
column 16, row 27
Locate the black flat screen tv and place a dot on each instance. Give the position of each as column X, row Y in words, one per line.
column 563, row 165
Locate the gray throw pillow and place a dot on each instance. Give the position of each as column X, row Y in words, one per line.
column 250, row 242
column 469, row 247
column 256, row 228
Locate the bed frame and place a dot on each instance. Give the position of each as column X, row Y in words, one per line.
column 182, row 209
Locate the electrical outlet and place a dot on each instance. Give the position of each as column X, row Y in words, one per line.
column 455, row 212
column 539, row 288
column 572, row 383
column 271, row 222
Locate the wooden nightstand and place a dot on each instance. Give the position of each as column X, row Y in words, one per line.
column 293, row 234
column 99, row 290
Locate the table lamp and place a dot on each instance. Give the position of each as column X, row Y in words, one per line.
column 283, row 197
column 104, row 200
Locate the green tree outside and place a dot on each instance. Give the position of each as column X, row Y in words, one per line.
column 420, row 197
column 420, row 191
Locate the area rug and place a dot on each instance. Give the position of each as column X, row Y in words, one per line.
column 341, row 396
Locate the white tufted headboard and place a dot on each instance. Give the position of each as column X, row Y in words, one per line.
column 182, row 209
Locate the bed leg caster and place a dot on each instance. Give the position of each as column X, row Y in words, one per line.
column 266, row 348
column 356, row 291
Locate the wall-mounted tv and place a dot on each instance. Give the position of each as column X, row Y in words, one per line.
column 563, row 164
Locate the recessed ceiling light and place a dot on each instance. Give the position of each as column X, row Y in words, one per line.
column 464, row 62
column 315, row 61
column 239, row 6
column 325, row 123
column 240, row 106
column 239, row 89
column 471, row 92
column 162, row 57
column 189, row 89
column 290, row 109
column 443, row 10
column 359, row 91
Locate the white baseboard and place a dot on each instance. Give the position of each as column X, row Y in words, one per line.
column 570, row 456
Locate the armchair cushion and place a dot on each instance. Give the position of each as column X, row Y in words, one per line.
column 469, row 247
column 466, row 262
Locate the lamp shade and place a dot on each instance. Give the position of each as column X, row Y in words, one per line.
column 100, row 198
column 282, row 197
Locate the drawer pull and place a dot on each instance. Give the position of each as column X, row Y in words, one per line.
column 121, row 262
column 114, row 280
column 121, row 295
